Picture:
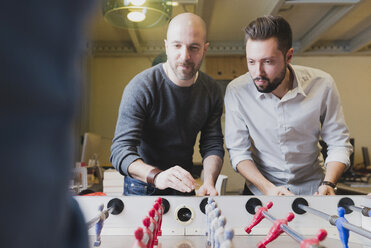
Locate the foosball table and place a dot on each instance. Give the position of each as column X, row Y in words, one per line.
column 255, row 221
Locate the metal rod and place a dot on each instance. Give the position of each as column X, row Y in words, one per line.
column 357, row 229
column 293, row 234
column 315, row 212
column 332, row 220
column 268, row 216
column 354, row 208
column 365, row 211
column 298, row 237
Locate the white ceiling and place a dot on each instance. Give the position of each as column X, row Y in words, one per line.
column 320, row 27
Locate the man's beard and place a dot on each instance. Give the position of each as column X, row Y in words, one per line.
column 272, row 85
column 185, row 74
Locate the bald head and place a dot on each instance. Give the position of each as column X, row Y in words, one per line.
column 187, row 21
column 185, row 48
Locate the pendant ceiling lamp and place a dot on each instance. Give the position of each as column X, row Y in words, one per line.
column 137, row 14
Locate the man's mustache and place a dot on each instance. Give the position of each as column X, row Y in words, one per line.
column 261, row 78
column 185, row 64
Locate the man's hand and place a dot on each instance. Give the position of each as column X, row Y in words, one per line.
column 279, row 190
column 248, row 169
column 207, row 189
column 212, row 166
column 325, row 190
column 176, row 178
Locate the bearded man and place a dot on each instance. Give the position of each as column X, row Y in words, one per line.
column 276, row 114
column 162, row 111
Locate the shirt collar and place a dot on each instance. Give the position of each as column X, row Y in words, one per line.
column 299, row 79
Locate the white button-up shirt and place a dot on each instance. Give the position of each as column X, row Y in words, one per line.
column 281, row 135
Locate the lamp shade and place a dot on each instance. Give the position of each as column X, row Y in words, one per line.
column 135, row 14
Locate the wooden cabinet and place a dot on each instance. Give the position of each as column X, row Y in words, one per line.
column 225, row 67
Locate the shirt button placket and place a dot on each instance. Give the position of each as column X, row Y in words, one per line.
column 281, row 128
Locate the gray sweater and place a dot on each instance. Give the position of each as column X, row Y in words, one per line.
column 159, row 121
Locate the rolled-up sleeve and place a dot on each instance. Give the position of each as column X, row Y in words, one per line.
column 236, row 132
column 334, row 130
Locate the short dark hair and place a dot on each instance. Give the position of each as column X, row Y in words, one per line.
column 270, row 26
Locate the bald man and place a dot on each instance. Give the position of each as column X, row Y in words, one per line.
column 162, row 110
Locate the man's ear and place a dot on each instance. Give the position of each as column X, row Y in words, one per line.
column 206, row 46
column 289, row 55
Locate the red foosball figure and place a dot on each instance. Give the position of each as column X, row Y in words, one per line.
column 307, row 243
column 258, row 217
column 153, row 219
column 148, row 233
column 138, row 239
column 159, row 210
column 276, row 230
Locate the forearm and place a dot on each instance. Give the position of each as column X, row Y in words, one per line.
column 212, row 167
column 334, row 170
column 139, row 170
column 248, row 170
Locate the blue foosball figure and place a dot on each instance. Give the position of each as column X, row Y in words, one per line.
column 99, row 226
column 343, row 233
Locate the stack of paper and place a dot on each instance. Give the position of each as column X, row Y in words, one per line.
column 113, row 183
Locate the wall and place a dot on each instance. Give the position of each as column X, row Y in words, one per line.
column 109, row 76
